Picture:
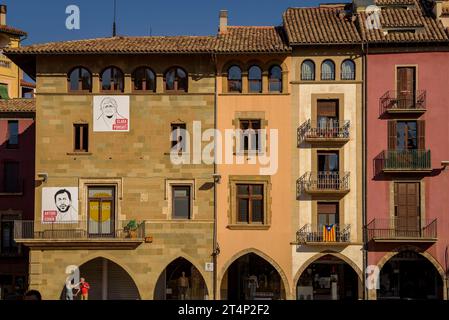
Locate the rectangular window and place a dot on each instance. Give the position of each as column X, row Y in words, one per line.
column 178, row 137
column 181, row 202
column 9, row 246
column 81, row 139
column 101, row 211
column 250, row 138
column 406, row 87
column 11, row 177
column 13, row 134
column 327, row 214
column 406, row 135
column 250, row 203
column 407, row 208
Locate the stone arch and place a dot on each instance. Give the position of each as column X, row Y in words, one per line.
column 108, row 257
column 193, row 261
column 263, row 256
column 388, row 256
column 267, row 65
column 314, row 258
column 184, row 259
column 233, row 62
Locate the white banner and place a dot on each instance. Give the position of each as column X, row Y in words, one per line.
column 111, row 113
column 60, row 205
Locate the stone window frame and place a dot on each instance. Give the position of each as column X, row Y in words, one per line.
column 83, row 195
column 250, row 115
column 234, row 180
column 169, row 183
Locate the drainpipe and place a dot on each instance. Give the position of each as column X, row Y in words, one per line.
column 364, row 159
column 19, row 92
column 216, row 181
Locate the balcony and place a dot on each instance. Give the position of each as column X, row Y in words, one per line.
column 331, row 133
column 403, row 102
column 402, row 230
column 415, row 161
column 331, row 235
column 79, row 235
column 323, row 183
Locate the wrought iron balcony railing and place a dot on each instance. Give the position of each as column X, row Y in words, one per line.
column 404, row 160
column 400, row 101
column 77, row 230
column 336, row 233
column 322, row 182
column 399, row 228
column 312, row 130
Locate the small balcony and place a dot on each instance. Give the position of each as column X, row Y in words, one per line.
column 408, row 229
column 403, row 102
column 80, row 234
column 323, row 183
column 331, row 133
column 336, row 234
column 395, row 161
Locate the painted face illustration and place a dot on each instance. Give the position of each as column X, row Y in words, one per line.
column 109, row 107
column 63, row 202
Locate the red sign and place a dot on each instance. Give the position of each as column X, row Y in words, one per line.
column 120, row 124
column 50, row 216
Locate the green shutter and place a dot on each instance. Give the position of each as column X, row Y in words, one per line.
column 4, row 92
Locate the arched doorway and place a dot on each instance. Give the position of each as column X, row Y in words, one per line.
column 409, row 275
column 251, row 277
column 328, row 278
column 107, row 281
column 181, row 280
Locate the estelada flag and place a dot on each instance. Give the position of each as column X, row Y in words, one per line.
column 329, row 233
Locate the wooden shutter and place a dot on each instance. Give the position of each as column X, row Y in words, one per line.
column 327, row 108
column 392, row 135
column 406, row 80
column 421, row 126
column 328, row 208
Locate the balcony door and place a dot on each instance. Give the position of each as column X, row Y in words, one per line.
column 328, row 170
column 327, row 118
column 406, row 87
column 407, row 209
column 101, row 212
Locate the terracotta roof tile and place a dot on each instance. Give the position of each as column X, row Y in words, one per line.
column 397, row 23
column 27, row 84
column 18, row 105
column 178, row 44
column 11, row 30
column 395, row 2
column 319, row 25
column 252, row 39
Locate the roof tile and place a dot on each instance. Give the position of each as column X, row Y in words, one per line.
column 18, row 105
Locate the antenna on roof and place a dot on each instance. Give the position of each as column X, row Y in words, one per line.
column 114, row 26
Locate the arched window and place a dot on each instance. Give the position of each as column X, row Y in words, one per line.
column 308, row 70
column 255, row 79
column 234, row 79
column 144, row 79
column 112, row 79
column 275, row 79
column 80, row 79
column 328, row 70
column 176, row 80
column 348, row 70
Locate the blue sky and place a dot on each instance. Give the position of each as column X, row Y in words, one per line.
column 44, row 20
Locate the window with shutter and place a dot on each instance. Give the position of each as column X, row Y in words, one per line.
column 406, row 82
column 392, row 134
column 421, row 134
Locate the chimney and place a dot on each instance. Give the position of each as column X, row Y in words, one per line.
column 3, row 14
column 223, row 21
column 361, row 5
column 438, row 9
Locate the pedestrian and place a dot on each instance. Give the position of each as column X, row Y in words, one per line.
column 84, row 288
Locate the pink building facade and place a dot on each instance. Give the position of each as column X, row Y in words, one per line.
column 17, row 154
column 407, row 182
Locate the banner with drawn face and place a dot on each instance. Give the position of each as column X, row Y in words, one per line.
column 111, row 113
column 60, row 205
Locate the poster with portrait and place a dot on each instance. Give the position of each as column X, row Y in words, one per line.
column 60, row 205
column 111, row 113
